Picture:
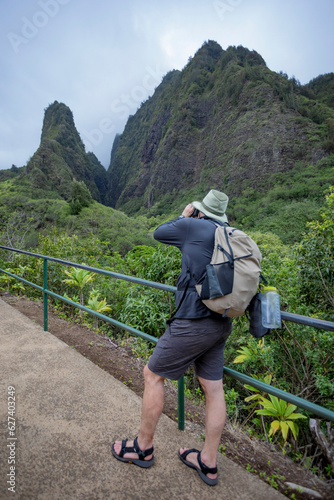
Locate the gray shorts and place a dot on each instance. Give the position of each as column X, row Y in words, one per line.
column 192, row 341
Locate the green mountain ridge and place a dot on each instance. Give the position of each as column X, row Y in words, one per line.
column 61, row 158
column 224, row 121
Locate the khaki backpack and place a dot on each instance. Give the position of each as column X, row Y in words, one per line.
column 232, row 277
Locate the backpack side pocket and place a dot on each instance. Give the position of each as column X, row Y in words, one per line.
column 254, row 315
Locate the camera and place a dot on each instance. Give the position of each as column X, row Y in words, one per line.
column 194, row 213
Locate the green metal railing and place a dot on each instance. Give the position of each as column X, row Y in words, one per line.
column 245, row 379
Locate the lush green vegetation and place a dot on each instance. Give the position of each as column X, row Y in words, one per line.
column 295, row 358
column 24, row 220
column 285, row 209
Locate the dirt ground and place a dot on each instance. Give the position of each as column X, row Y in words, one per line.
column 257, row 457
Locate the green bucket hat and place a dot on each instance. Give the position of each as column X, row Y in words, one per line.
column 213, row 205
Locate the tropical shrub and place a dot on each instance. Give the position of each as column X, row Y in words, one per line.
column 79, row 278
column 315, row 258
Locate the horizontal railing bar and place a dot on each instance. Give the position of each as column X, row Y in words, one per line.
column 274, row 391
column 305, row 320
column 104, row 318
column 86, row 309
column 290, row 398
column 296, row 318
column 97, row 270
column 22, row 279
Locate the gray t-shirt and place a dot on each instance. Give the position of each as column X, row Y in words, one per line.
column 195, row 238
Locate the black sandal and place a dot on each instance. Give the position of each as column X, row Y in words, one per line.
column 203, row 469
column 134, row 449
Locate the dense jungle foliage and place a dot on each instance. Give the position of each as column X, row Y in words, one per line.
column 295, row 358
column 226, row 122
column 284, row 209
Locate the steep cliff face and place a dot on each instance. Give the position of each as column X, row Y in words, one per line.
column 134, row 152
column 61, row 157
column 224, row 121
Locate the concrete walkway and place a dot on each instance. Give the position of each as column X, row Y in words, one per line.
column 68, row 412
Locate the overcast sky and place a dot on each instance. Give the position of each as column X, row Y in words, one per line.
column 102, row 58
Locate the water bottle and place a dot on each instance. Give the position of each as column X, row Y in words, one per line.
column 270, row 305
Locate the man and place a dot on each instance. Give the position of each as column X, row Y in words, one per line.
column 195, row 335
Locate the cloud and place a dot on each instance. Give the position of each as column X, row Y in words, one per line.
column 177, row 45
column 102, row 59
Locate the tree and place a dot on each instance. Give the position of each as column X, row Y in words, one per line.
column 80, row 197
column 315, row 256
column 79, row 278
column 15, row 229
column 97, row 305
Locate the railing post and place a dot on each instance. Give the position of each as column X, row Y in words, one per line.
column 180, row 384
column 45, row 295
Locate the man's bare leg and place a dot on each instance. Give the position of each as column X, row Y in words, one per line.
column 153, row 401
column 215, row 416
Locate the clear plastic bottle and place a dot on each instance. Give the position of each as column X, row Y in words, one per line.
column 271, row 312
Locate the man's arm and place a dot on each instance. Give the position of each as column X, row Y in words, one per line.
column 175, row 231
